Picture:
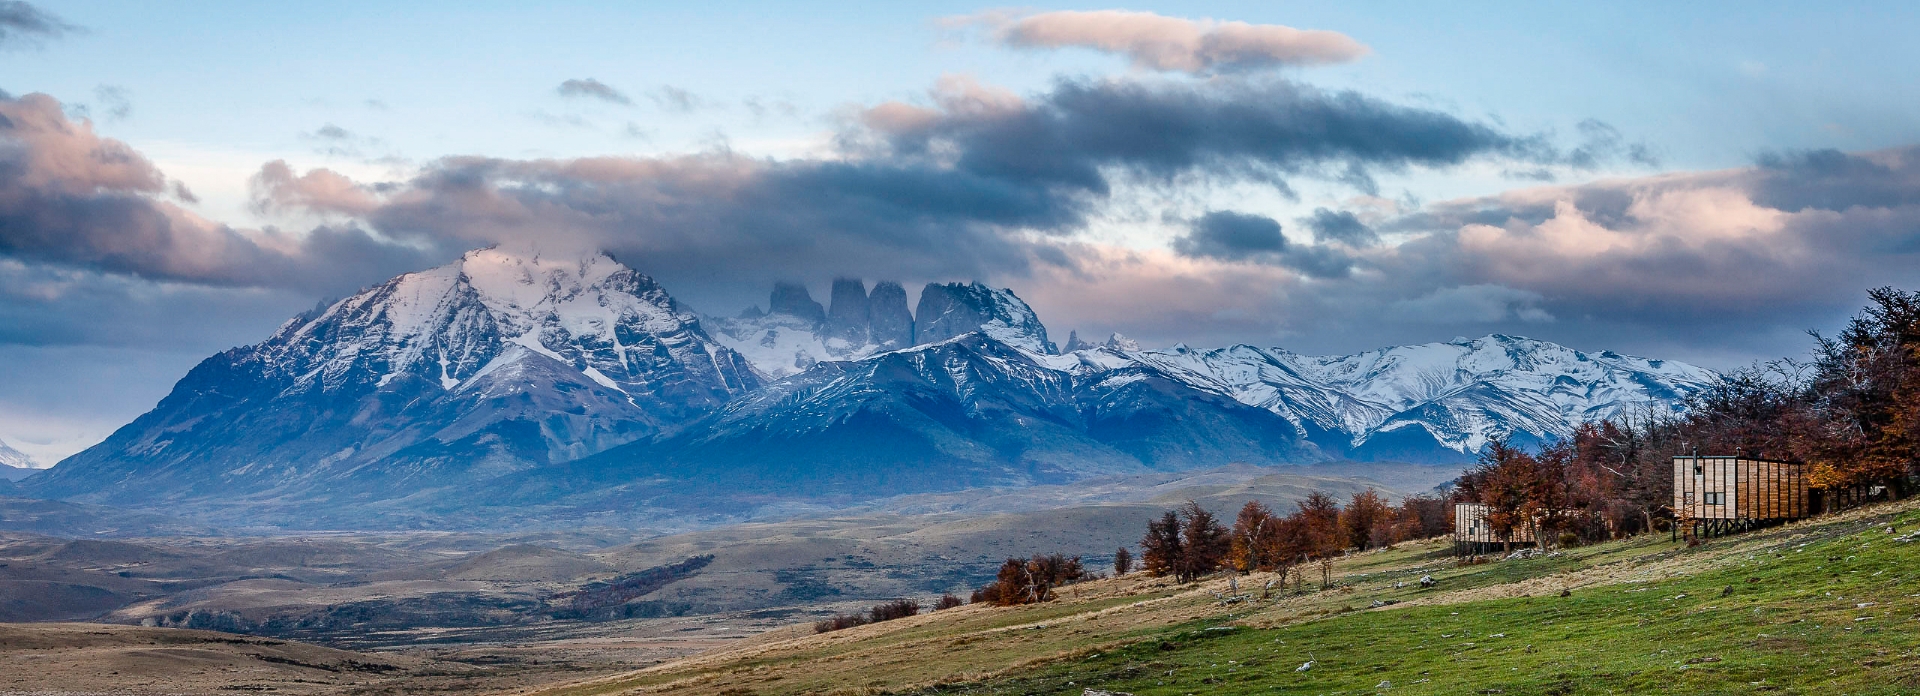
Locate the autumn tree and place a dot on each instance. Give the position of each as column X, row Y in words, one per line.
column 1367, row 521
column 1256, row 539
column 1206, row 542
column 1865, row 393
column 1317, row 534
column 1422, row 517
column 1161, row 549
column 1122, row 561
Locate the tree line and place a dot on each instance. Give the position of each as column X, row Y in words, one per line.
column 1191, row 542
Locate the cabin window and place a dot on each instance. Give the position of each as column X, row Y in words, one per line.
column 1714, row 498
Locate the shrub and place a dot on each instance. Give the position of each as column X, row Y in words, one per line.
column 896, row 609
column 947, row 601
column 838, row 622
column 1030, row 581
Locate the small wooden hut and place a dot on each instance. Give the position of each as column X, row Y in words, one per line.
column 1472, row 535
column 1725, row 494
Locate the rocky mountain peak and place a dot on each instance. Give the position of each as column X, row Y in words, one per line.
column 793, row 300
column 955, row 309
column 850, row 315
column 892, row 324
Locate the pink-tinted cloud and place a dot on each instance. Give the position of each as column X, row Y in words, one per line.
column 320, row 191
column 1164, row 43
column 69, row 196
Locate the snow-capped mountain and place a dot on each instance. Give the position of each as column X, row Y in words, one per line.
column 1458, row 395
column 495, row 362
column 796, row 332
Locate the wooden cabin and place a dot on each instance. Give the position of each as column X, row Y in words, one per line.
column 1472, row 534
column 1722, row 494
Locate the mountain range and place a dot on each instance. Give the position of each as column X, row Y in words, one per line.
column 574, row 385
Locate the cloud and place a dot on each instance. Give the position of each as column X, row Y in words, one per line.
column 1232, row 236
column 1470, row 304
column 72, row 198
column 1340, row 226
column 1158, row 42
column 1261, row 129
column 1601, row 143
column 276, row 189
column 22, row 24
column 676, row 99
column 981, row 182
column 115, row 102
column 334, row 141
column 589, row 88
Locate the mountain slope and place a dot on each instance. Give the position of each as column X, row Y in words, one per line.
column 967, row 412
column 497, row 362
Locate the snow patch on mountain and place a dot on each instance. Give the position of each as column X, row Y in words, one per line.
column 1463, row 393
column 14, row 458
column 796, row 334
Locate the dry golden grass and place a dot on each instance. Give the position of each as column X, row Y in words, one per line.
column 978, row 643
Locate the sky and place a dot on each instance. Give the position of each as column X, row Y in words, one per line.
column 1702, row 182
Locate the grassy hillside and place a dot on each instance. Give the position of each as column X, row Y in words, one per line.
column 1831, row 605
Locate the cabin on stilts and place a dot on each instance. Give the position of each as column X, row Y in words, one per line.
column 1715, row 495
column 1472, row 535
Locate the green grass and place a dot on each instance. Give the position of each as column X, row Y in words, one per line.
column 1777, row 611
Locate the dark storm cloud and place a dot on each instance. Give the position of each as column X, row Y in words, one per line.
column 1340, row 226
column 590, row 88
column 22, row 24
column 1258, row 129
column 1232, row 236
column 1836, row 181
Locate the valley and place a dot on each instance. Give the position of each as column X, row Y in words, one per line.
column 1827, row 602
